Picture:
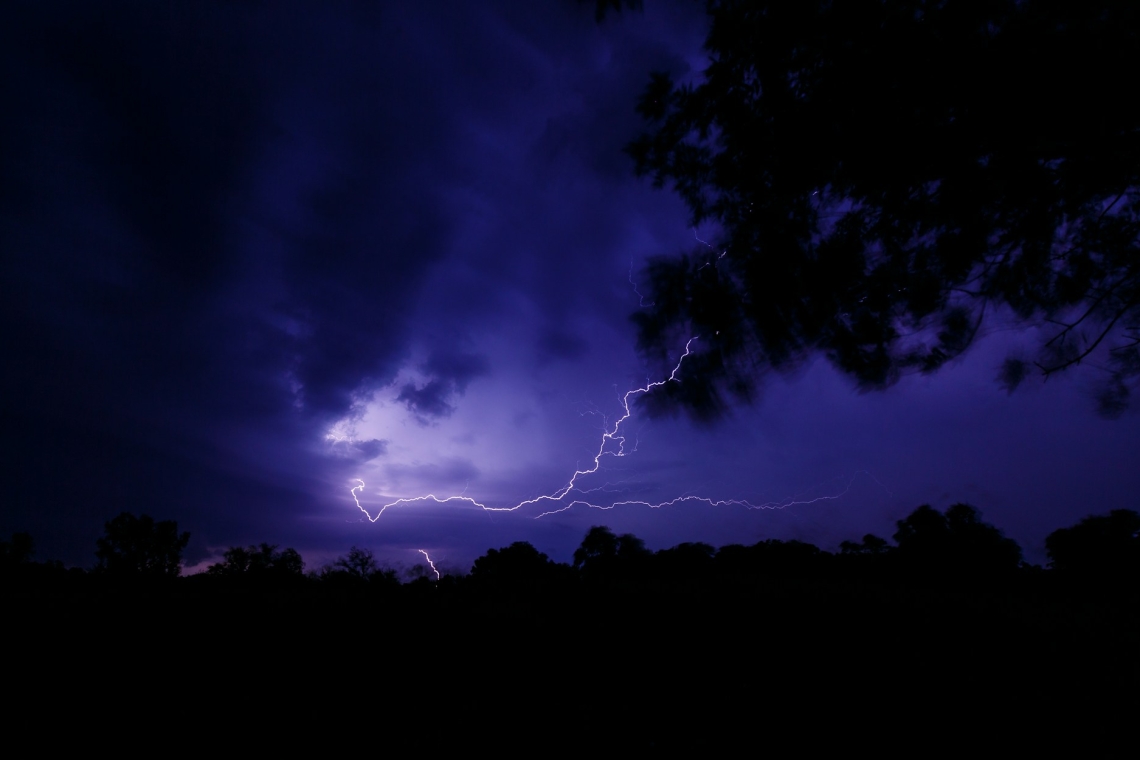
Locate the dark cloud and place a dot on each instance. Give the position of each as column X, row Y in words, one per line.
column 458, row 369
column 450, row 374
column 555, row 345
column 359, row 451
column 212, row 230
column 371, row 449
column 428, row 401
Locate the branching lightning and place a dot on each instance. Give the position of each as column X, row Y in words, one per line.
column 612, row 444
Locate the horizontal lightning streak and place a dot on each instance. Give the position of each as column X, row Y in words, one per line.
column 711, row 502
column 413, row 500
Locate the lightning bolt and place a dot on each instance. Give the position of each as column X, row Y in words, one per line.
column 421, row 551
column 414, row 499
column 612, row 443
column 611, row 437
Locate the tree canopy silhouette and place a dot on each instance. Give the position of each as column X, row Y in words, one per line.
column 605, row 556
column 358, row 567
column 956, row 544
column 519, row 564
column 884, row 176
column 262, row 560
column 18, row 551
column 1098, row 545
column 139, row 546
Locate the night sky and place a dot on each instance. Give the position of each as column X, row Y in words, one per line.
column 253, row 252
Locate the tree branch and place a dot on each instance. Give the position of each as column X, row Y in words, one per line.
column 1077, row 360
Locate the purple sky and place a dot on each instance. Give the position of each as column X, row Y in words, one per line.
column 254, row 252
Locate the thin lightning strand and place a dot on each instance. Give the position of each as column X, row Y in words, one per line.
column 707, row 263
column 609, row 435
column 421, row 551
column 640, row 298
column 792, row 502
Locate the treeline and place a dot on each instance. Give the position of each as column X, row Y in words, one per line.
column 954, row 548
column 623, row 646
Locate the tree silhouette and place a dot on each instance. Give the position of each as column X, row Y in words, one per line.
column 358, row 562
column 604, row 556
column 871, row 544
column 956, row 544
column 689, row 562
column 789, row 559
column 519, row 564
column 359, row 565
column 139, row 546
column 262, row 560
column 1098, row 545
column 17, row 551
column 598, row 543
column 886, row 175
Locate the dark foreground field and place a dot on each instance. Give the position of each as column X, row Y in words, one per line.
column 829, row 662
column 944, row 641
